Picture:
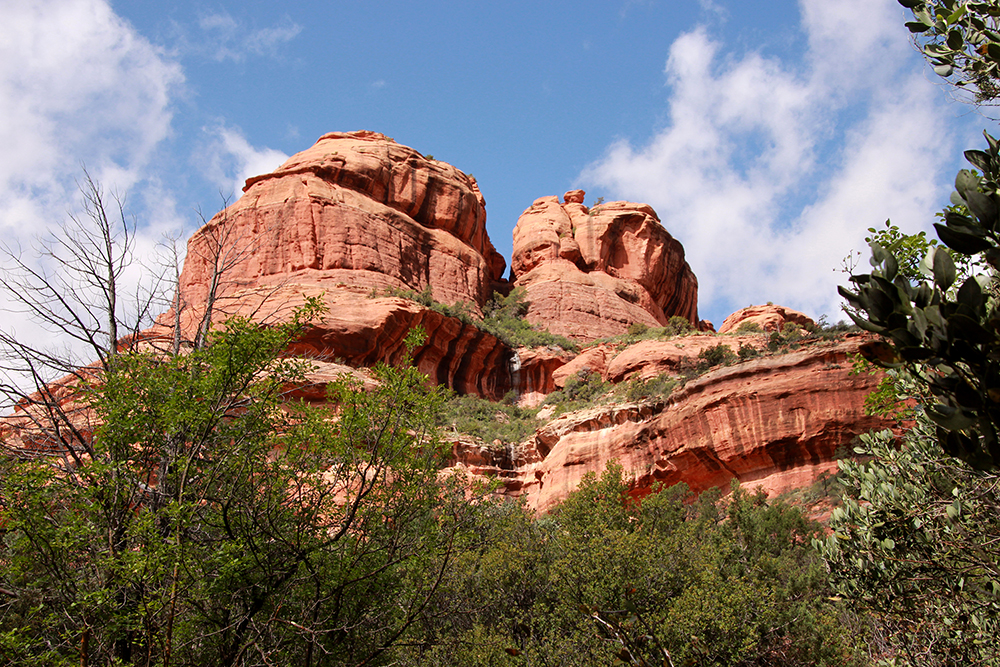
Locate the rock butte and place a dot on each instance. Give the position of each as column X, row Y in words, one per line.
column 357, row 214
column 591, row 272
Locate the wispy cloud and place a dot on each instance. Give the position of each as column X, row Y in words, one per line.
column 225, row 38
column 769, row 171
column 79, row 86
column 228, row 160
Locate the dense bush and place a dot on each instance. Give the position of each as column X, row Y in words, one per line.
column 638, row 389
column 488, row 420
column 716, row 355
column 580, row 391
column 670, row 579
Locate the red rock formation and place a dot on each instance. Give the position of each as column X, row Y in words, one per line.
column 355, row 209
column 352, row 215
column 534, row 372
column 650, row 358
column 590, row 273
column 775, row 422
column 592, row 360
column 768, row 318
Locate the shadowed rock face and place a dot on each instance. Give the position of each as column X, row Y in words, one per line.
column 590, row 273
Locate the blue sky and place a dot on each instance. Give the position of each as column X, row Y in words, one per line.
column 767, row 135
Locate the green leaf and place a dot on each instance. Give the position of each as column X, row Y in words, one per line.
column 982, row 206
column 967, row 244
column 944, row 70
column 944, row 270
column 955, row 40
column 917, row 26
column 993, row 51
column 965, row 180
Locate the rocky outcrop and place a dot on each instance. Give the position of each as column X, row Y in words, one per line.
column 357, row 213
column 775, row 422
column 591, row 272
column 356, row 209
column 352, row 218
column 766, row 318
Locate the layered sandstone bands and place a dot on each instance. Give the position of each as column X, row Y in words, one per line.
column 775, row 422
column 591, row 272
column 355, row 209
column 358, row 213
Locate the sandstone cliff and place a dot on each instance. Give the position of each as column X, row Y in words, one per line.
column 591, row 272
column 358, row 220
column 776, row 422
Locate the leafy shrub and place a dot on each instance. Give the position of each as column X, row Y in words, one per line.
column 605, row 579
column 716, row 355
column 748, row 327
column 504, row 318
column 637, row 389
column 487, row 420
column 637, row 329
column 677, row 326
column 747, row 352
column 580, row 391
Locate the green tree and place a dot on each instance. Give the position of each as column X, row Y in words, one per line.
column 670, row 579
column 217, row 524
column 917, row 543
column 169, row 505
column 961, row 41
column 945, row 335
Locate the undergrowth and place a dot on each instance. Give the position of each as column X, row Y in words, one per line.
column 503, row 317
column 487, row 420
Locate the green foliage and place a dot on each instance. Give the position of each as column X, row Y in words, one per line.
column 747, row 352
column 916, row 543
column 946, row 338
column 580, row 391
column 748, row 327
column 503, row 316
column 677, row 326
column 488, row 420
column 657, row 387
column 637, row 329
column 505, row 319
column 909, row 249
column 606, row 578
column 717, row 355
column 961, row 41
column 216, row 524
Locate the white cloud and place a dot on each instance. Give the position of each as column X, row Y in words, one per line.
column 78, row 86
column 769, row 171
column 228, row 160
column 225, row 38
